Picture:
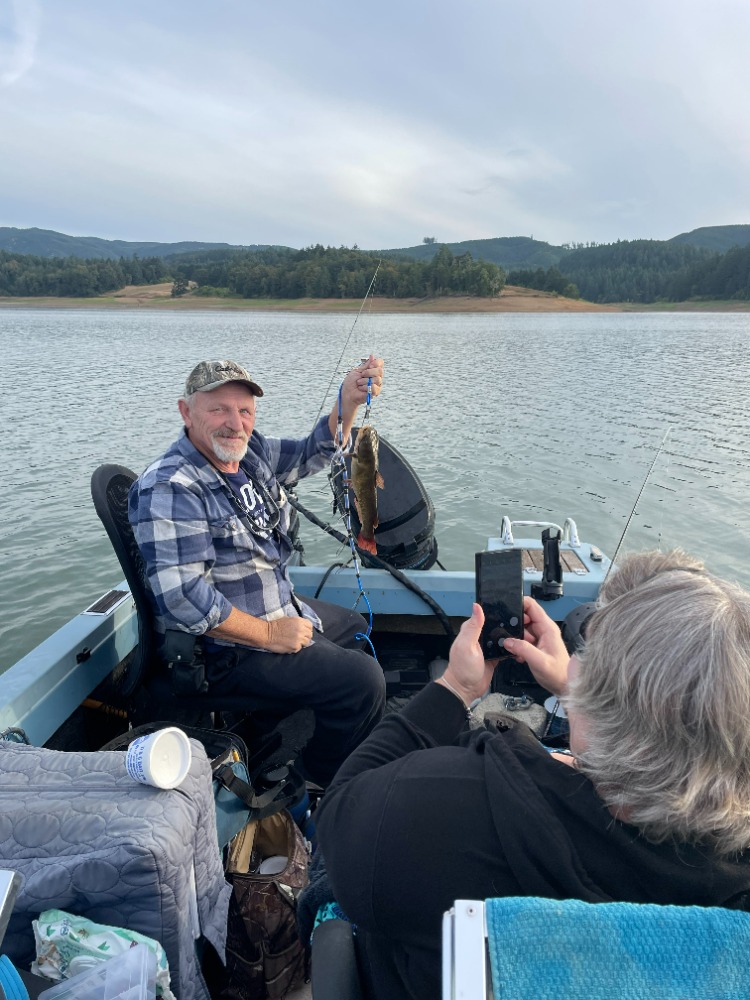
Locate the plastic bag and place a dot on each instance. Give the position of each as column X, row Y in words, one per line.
column 67, row 945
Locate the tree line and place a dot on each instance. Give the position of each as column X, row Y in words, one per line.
column 646, row 271
column 315, row 272
column 551, row 280
column 631, row 271
column 331, row 272
column 626, row 271
column 25, row 274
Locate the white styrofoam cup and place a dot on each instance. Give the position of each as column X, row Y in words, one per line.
column 161, row 759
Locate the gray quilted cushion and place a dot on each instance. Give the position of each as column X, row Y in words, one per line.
column 86, row 838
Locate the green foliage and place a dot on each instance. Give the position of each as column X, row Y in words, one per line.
column 725, row 276
column 24, row 275
column 330, row 272
column 550, row 280
column 635, row 271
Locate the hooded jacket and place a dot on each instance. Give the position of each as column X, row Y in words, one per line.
column 424, row 813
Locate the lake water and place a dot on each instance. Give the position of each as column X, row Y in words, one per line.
column 535, row 416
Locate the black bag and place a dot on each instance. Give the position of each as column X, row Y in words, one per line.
column 265, row 956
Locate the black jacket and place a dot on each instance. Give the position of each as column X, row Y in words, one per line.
column 405, row 833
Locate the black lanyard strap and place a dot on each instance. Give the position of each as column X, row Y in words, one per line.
column 269, row 504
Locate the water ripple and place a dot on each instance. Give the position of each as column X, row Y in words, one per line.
column 537, row 416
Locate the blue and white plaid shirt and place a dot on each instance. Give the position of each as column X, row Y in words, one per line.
column 202, row 559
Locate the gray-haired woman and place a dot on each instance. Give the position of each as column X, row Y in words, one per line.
column 659, row 700
column 654, row 806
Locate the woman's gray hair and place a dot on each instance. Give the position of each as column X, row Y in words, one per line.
column 663, row 692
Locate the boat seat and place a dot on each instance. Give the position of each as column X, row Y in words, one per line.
column 145, row 683
column 526, row 948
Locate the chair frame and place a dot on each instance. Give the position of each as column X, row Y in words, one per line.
column 466, row 973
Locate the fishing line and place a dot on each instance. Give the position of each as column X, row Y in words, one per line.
column 661, row 519
column 637, row 500
column 343, row 349
column 338, row 468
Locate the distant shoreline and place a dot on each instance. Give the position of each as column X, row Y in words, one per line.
column 512, row 299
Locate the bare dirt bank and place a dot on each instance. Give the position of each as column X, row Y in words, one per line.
column 159, row 297
column 512, row 299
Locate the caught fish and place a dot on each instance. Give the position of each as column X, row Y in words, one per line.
column 366, row 480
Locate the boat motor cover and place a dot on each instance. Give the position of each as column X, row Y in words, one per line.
column 405, row 536
column 87, row 839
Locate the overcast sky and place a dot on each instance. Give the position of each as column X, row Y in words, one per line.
column 339, row 122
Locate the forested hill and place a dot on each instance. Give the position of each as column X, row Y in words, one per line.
column 505, row 251
column 718, row 238
column 645, row 271
column 508, row 252
column 47, row 243
column 631, row 271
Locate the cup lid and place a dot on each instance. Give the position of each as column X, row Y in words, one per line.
column 169, row 757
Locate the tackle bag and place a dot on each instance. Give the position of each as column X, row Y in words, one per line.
column 267, row 868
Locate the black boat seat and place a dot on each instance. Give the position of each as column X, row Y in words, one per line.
column 144, row 683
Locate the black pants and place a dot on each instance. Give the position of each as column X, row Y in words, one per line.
column 343, row 685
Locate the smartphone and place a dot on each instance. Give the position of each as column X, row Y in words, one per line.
column 499, row 589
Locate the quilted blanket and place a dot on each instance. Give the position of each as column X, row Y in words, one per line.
column 88, row 839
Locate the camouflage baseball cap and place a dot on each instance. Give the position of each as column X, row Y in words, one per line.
column 208, row 375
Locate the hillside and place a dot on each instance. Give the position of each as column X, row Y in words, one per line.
column 505, row 251
column 717, row 238
column 48, row 243
column 711, row 263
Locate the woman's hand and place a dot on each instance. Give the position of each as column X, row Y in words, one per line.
column 542, row 648
column 468, row 674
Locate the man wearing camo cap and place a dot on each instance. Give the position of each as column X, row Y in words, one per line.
column 212, row 520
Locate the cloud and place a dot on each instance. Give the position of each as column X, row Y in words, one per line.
column 296, row 124
column 22, row 48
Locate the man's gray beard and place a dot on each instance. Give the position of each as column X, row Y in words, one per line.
column 225, row 454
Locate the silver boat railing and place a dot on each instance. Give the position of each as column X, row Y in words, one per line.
column 569, row 531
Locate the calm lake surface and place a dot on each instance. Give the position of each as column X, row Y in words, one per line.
column 535, row 416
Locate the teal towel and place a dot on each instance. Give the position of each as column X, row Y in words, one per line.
column 548, row 949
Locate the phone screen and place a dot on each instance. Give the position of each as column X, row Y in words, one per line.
column 499, row 590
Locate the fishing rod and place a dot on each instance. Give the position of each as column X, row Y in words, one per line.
column 637, row 501
column 338, row 469
column 586, row 610
column 346, row 343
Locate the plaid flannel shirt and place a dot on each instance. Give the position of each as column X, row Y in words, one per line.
column 201, row 558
